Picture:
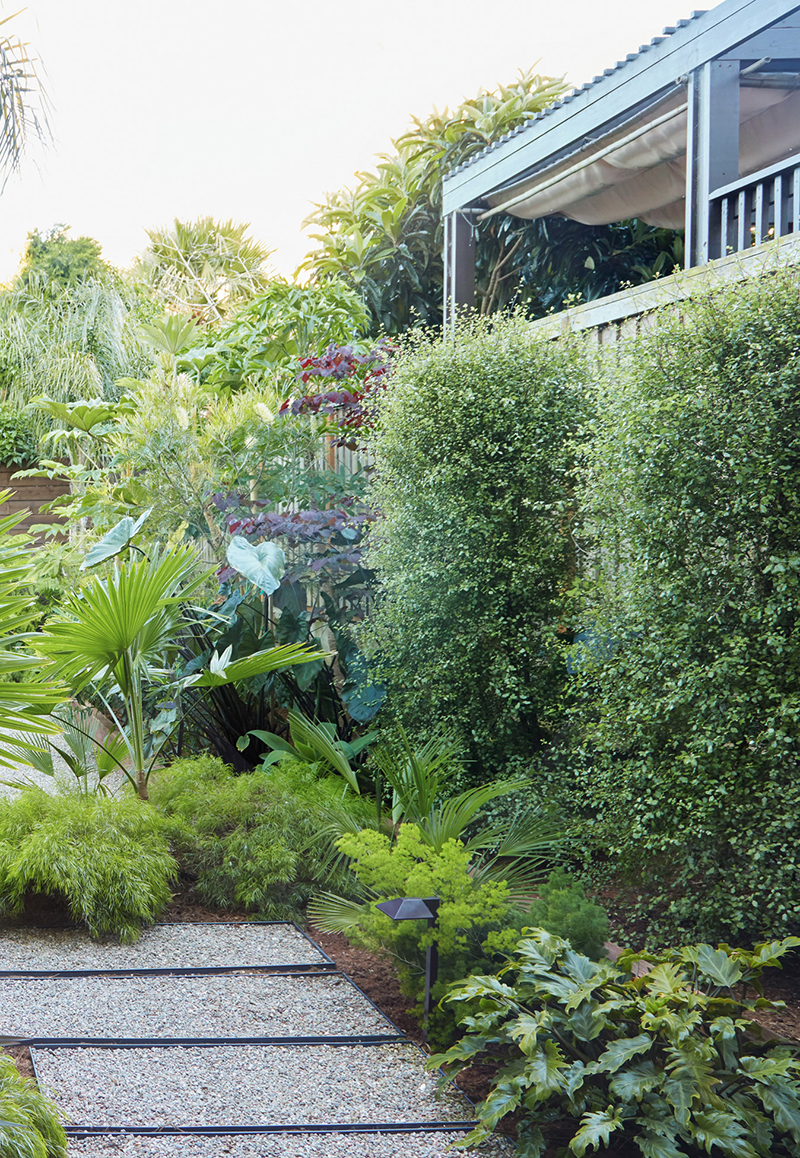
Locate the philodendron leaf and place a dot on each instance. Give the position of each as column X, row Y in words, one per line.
column 596, row 1129
column 262, row 563
column 654, row 1145
column 116, row 540
column 632, row 1083
column 617, row 1053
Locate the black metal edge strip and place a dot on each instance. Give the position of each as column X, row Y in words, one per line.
column 361, row 992
column 52, row 1043
column 311, row 940
column 312, row 968
column 293, row 1128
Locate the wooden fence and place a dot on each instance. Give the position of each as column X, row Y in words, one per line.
column 29, row 495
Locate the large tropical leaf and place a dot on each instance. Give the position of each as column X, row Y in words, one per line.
column 222, row 670
column 116, row 540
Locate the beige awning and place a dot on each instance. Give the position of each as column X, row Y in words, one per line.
column 641, row 170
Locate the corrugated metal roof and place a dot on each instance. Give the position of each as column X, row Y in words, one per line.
column 526, row 125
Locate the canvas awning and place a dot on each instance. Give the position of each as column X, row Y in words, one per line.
column 640, row 170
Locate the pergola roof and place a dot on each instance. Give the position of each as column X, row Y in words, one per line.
column 617, row 147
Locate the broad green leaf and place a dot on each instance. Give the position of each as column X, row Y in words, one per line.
column 617, row 1053
column 544, row 1069
column 665, row 979
column 271, row 659
column 654, row 1145
column 316, row 737
column 782, row 1102
column 715, row 964
column 525, row 1031
column 717, row 1128
column 596, row 1129
column 116, row 540
column 632, row 1083
column 262, row 563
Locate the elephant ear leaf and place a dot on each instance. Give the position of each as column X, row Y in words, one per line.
column 116, row 540
column 262, row 563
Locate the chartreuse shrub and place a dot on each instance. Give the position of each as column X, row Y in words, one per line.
column 477, row 917
column 689, row 707
column 562, row 907
column 670, row 1061
column 108, row 859
column 475, row 450
column 254, row 841
column 30, row 1124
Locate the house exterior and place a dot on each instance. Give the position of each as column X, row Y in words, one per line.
column 700, row 129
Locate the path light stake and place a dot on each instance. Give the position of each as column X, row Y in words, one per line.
column 419, row 909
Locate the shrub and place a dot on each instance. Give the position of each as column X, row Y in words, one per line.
column 253, row 841
column 476, row 917
column 671, row 1061
column 689, row 709
column 18, row 441
column 30, row 1124
column 474, row 455
column 108, row 859
column 563, row 909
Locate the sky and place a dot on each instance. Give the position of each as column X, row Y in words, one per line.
column 253, row 109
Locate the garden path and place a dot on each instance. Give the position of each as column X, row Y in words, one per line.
column 227, row 1038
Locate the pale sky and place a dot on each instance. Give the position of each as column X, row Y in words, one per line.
column 253, row 109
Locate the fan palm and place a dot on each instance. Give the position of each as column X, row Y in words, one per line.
column 116, row 633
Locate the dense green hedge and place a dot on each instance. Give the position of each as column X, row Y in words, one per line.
column 475, row 548
column 689, row 706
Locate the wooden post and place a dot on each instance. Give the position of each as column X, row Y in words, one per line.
column 712, row 154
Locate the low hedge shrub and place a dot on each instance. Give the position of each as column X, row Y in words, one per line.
column 253, row 841
column 108, row 859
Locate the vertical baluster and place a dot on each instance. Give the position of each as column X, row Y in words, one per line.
column 795, row 218
column 743, row 223
column 724, row 226
column 759, row 215
column 779, row 205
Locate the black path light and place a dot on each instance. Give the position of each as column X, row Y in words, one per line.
column 419, row 909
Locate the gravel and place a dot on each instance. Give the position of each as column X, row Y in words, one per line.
column 412, row 1145
column 245, row 1085
column 221, row 1005
column 159, row 947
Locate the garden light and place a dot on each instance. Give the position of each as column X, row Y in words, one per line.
column 419, row 909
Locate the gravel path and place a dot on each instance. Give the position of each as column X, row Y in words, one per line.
column 245, row 1085
column 413, row 1145
column 159, row 947
column 226, row 1005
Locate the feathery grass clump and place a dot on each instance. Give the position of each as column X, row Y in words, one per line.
column 30, row 1124
column 108, row 859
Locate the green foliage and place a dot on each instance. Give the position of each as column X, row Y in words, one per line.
column 18, row 441
column 57, row 259
column 26, row 699
column 108, row 859
column 562, row 908
column 688, row 704
column 262, row 344
column 476, row 917
column 252, row 841
column 71, row 342
column 385, row 237
column 671, row 1061
column 203, row 268
column 475, row 453
column 30, row 1124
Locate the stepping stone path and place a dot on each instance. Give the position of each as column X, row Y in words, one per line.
column 234, row 1039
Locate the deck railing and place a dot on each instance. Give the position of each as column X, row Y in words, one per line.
column 755, row 208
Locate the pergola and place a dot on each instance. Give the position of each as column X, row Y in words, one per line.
column 698, row 129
